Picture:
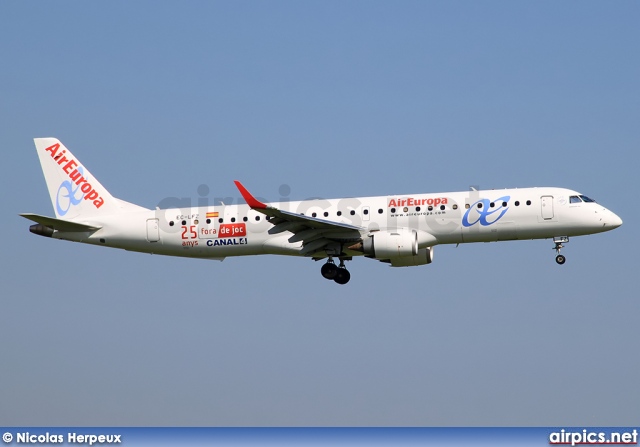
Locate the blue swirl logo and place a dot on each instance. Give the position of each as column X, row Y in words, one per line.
column 485, row 213
column 68, row 195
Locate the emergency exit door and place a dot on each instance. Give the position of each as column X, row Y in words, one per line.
column 153, row 230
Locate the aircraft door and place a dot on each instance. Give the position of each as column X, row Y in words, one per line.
column 546, row 203
column 153, row 230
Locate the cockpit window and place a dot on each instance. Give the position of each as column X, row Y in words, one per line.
column 574, row 199
column 587, row 199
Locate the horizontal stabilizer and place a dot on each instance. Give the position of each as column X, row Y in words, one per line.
column 59, row 224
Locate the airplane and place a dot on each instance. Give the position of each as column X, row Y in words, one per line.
column 401, row 230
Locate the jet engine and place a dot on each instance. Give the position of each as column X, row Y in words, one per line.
column 400, row 247
column 424, row 256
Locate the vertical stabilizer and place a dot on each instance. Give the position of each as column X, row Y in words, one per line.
column 74, row 191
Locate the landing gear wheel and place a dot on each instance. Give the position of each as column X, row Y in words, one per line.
column 343, row 276
column 329, row 270
column 558, row 241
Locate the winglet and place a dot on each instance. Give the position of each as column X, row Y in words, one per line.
column 246, row 195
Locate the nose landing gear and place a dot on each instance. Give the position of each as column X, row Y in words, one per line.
column 338, row 273
column 559, row 240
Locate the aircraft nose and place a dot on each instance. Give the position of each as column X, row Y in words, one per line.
column 614, row 221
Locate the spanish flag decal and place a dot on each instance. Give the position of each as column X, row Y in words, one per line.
column 212, row 214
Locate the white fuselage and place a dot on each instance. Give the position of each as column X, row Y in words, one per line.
column 399, row 230
column 451, row 218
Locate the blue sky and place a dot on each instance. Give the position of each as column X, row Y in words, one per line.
column 332, row 99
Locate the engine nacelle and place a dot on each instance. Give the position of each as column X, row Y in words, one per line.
column 424, row 256
column 389, row 244
column 400, row 247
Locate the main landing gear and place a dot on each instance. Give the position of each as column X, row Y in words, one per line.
column 338, row 273
column 560, row 259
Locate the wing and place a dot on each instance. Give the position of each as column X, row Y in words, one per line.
column 318, row 236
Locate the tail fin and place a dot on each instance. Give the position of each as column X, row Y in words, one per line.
column 74, row 191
